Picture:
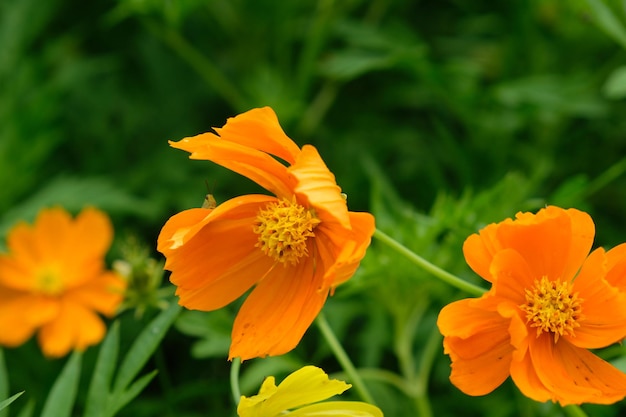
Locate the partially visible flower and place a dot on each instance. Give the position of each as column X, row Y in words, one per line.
column 53, row 281
column 550, row 302
column 294, row 248
column 295, row 396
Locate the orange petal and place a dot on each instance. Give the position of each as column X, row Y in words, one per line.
column 21, row 314
column 180, row 228
column 347, row 261
column 317, row 186
column 616, row 266
column 574, row 375
column 478, row 344
column 76, row 327
column 220, row 261
column 259, row 166
column 524, row 375
column 512, row 276
column 279, row 310
column 103, row 293
column 259, row 129
column 604, row 316
column 480, row 248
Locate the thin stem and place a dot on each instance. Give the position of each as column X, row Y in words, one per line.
column 574, row 411
column 343, row 358
column 443, row 275
column 210, row 72
column 234, row 380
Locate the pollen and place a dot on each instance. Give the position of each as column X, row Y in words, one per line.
column 49, row 281
column 551, row 307
column 284, row 227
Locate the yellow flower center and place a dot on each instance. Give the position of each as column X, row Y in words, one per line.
column 283, row 228
column 49, row 281
column 551, row 307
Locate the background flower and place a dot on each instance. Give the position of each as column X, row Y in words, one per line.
column 549, row 303
column 53, row 281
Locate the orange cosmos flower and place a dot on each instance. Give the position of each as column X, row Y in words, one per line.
column 550, row 302
column 294, row 248
column 53, row 282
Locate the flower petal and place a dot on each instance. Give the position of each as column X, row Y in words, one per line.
column 554, row 242
column 524, row 375
column 260, row 129
column 604, row 316
column 103, row 294
column 22, row 313
column 482, row 356
column 304, row 386
column 279, row 310
column 338, row 408
column 616, row 266
column 574, row 375
column 317, row 186
column 480, row 248
column 342, row 250
column 512, row 276
column 76, row 327
column 217, row 260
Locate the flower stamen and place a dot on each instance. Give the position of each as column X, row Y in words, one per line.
column 551, row 307
column 284, row 227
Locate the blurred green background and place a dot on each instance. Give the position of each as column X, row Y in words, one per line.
column 437, row 116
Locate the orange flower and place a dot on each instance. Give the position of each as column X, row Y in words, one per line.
column 52, row 281
column 294, row 248
column 550, row 302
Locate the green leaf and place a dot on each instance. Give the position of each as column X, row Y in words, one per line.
column 28, row 410
column 607, row 20
column 100, row 385
column 4, row 382
column 143, row 347
column 132, row 391
column 63, row 393
column 4, row 404
column 615, row 86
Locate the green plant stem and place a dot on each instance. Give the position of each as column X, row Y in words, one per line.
column 234, row 380
column 343, row 358
column 574, row 411
column 200, row 63
column 443, row 275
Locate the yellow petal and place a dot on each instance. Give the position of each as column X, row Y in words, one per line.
column 338, row 409
column 305, row 386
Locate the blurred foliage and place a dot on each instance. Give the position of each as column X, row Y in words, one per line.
column 438, row 117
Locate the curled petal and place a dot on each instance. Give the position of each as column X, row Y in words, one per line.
column 260, row 129
column 480, row 248
column 616, row 266
column 317, row 186
column 259, row 166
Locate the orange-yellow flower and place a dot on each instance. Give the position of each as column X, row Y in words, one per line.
column 53, row 282
column 550, row 302
column 294, row 248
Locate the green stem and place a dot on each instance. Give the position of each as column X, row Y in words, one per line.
column 574, row 411
column 234, row 380
column 443, row 275
column 200, row 63
column 343, row 358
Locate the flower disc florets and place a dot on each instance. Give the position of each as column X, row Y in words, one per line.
column 283, row 228
column 551, row 307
